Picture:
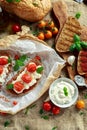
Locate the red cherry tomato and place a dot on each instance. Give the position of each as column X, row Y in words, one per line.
column 3, row 113
column 31, row 67
column 18, row 86
column 38, row 57
column 47, row 106
column 16, row 28
column 26, row 78
column 3, row 61
column 16, row 57
column 55, row 110
column 1, row 69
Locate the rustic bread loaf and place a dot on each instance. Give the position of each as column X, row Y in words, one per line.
column 30, row 10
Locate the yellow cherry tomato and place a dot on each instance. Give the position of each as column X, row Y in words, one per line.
column 80, row 104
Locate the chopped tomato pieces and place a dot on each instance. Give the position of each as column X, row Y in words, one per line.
column 16, row 57
column 26, row 78
column 15, row 103
column 31, row 67
column 18, row 86
column 1, row 69
column 37, row 57
column 3, row 61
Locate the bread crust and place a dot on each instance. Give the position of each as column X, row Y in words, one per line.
column 29, row 10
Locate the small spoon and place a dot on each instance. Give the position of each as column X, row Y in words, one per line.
column 80, row 80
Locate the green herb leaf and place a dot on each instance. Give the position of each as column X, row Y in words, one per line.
column 76, row 38
column 6, row 123
column 41, row 111
column 39, row 69
column 27, row 127
column 78, row 46
column 16, row 67
column 19, row 63
column 9, row 86
column 78, row 14
column 85, row 96
column 17, row 0
column 45, row 117
column 23, row 58
column 83, row 44
column 35, row 4
column 54, row 128
column 9, row 1
column 9, row 60
column 72, row 47
column 81, row 113
column 65, row 91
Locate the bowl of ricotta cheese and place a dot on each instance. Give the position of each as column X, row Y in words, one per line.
column 63, row 92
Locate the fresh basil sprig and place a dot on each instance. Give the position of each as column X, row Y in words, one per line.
column 39, row 69
column 65, row 91
column 9, row 86
column 10, row 1
column 20, row 62
column 77, row 44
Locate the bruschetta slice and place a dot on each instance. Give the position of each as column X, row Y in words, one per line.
column 5, row 67
column 26, row 78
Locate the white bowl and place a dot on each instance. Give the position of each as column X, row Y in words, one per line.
column 53, row 91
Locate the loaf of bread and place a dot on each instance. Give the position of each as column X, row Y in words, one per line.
column 30, row 10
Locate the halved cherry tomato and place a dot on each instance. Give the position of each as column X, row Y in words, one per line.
column 3, row 61
column 31, row 67
column 18, row 86
column 41, row 36
column 50, row 24
column 80, row 104
column 48, row 34
column 47, row 106
column 1, row 69
column 15, row 102
column 55, row 110
column 26, row 78
column 54, row 30
column 41, row 24
column 16, row 28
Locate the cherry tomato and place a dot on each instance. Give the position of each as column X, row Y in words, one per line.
column 80, row 104
column 16, row 57
column 54, row 30
column 16, row 28
column 31, row 67
column 38, row 57
column 50, row 24
column 18, row 86
column 48, row 34
column 1, row 69
column 47, row 106
column 26, row 78
column 41, row 24
column 3, row 61
column 14, row 103
column 55, row 110
column 41, row 36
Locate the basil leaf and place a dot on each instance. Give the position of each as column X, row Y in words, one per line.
column 76, row 38
column 27, row 127
column 6, row 123
column 23, row 58
column 83, row 44
column 54, row 128
column 78, row 14
column 72, row 47
column 16, row 67
column 65, row 91
column 45, row 117
column 9, row 60
column 9, row 1
column 9, row 86
column 39, row 69
column 78, row 46
column 19, row 63
column 41, row 111
column 17, row 0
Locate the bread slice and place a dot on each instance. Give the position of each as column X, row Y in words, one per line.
column 65, row 40
column 5, row 66
column 82, row 62
column 18, row 78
